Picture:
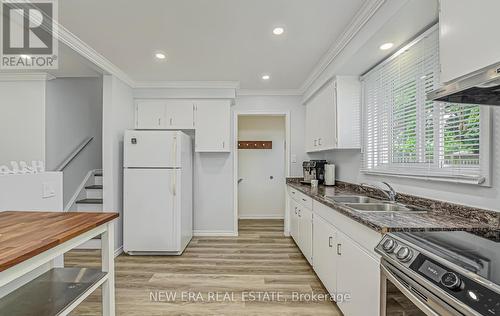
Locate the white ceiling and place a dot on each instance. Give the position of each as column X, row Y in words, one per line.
column 216, row 40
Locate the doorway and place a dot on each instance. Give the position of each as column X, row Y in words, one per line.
column 261, row 166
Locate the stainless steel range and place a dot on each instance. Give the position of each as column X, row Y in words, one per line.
column 440, row 273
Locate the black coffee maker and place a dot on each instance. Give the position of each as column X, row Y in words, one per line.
column 314, row 170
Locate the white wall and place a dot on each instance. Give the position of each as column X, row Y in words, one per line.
column 213, row 193
column 348, row 164
column 118, row 116
column 24, row 192
column 73, row 114
column 22, row 121
column 256, row 167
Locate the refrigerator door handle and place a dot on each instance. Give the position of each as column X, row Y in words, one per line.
column 174, row 152
column 174, row 183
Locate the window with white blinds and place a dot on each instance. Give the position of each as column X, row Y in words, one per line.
column 406, row 135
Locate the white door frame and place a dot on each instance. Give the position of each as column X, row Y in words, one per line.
column 238, row 113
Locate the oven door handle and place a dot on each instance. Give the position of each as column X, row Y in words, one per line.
column 412, row 297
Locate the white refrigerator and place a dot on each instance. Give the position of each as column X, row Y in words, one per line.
column 157, row 193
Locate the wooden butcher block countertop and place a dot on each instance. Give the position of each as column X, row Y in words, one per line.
column 24, row 235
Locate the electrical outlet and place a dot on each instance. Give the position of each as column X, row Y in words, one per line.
column 48, row 190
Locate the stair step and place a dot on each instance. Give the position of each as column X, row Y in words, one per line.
column 94, row 187
column 89, row 201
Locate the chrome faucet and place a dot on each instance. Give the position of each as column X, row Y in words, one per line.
column 390, row 194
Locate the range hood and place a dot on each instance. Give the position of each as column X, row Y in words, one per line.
column 480, row 87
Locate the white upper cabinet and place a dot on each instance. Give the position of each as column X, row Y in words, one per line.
column 179, row 114
column 333, row 116
column 212, row 125
column 209, row 118
column 347, row 114
column 150, row 115
column 164, row 114
column 467, row 36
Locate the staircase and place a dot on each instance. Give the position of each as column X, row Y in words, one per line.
column 92, row 200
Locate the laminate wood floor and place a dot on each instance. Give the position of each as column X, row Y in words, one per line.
column 215, row 276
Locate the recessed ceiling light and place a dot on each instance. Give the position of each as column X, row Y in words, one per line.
column 278, row 30
column 386, row 46
column 266, row 77
column 160, row 55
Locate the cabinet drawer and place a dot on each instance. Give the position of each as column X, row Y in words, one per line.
column 301, row 198
column 305, row 200
column 367, row 238
column 294, row 194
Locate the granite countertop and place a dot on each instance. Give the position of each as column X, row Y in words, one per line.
column 384, row 222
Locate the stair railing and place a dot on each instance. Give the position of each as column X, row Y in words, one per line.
column 75, row 153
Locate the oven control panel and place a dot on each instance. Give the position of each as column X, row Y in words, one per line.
column 467, row 291
column 462, row 288
column 396, row 250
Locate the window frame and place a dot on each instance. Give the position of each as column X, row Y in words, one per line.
column 433, row 172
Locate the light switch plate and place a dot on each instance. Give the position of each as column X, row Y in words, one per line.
column 48, row 190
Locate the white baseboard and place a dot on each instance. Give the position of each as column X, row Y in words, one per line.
column 214, row 233
column 118, row 251
column 261, row 217
column 80, row 188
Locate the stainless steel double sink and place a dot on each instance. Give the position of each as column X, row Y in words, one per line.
column 366, row 204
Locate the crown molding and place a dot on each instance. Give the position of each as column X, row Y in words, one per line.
column 366, row 12
column 26, row 76
column 279, row 92
column 87, row 52
column 187, row 84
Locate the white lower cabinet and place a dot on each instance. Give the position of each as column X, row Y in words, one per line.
column 301, row 225
column 325, row 257
column 294, row 220
column 358, row 275
column 306, row 232
column 341, row 253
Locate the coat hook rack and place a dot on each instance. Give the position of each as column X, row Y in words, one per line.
column 256, row 144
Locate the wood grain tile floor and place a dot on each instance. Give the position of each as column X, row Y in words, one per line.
column 260, row 272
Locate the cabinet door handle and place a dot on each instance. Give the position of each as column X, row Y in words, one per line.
column 223, row 144
column 159, row 122
column 315, row 142
column 330, row 239
column 319, row 141
column 171, row 120
column 339, row 249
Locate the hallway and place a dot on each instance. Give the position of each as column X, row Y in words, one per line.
column 216, row 276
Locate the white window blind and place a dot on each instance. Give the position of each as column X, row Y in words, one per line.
column 406, row 135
